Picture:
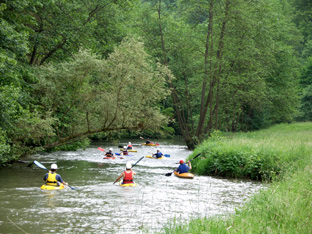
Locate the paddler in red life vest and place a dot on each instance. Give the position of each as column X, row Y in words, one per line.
column 129, row 145
column 125, row 151
column 127, row 175
column 52, row 178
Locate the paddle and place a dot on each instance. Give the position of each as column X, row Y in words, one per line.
column 101, row 149
column 135, row 164
column 170, row 173
column 151, row 142
column 43, row 167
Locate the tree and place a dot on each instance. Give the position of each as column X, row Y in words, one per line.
column 87, row 95
column 240, row 63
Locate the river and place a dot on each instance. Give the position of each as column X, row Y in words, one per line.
column 99, row 206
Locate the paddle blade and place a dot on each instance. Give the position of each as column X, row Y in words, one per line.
column 101, row 149
column 142, row 138
column 72, row 187
column 168, row 174
column 40, row 165
column 117, row 153
column 157, row 144
column 167, row 155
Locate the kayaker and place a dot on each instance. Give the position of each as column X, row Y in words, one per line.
column 148, row 141
column 125, row 151
column 129, row 145
column 127, row 175
column 158, row 154
column 109, row 153
column 183, row 168
column 52, row 178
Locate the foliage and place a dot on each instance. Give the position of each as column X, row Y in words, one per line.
column 87, row 95
column 263, row 155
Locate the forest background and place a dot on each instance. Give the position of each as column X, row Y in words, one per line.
column 73, row 71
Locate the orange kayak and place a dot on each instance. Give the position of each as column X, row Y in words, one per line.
column 184, row 175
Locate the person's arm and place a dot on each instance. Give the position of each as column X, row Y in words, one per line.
column 59, row 178
column 190, row 165
column 119, row 177
column 45, row 177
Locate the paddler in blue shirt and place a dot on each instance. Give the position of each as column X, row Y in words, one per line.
column 158, row 154
column 52, row 178
column 183, row 168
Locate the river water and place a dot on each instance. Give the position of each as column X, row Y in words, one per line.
column 98, row 206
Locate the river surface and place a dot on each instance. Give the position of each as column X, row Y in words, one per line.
column 99, row 206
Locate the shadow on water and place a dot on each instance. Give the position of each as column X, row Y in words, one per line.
column 101, row 207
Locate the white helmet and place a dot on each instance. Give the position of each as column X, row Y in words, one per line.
column 111, row 149
column 128, row 165
column 125, row 147
column 129, row 143
column 54, row 166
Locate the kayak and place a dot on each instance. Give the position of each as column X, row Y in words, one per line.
column 109, row 158
column 150, row 156
column 127, row 185
column 51, row 187
column 186, row 175
column 130, row 150
column 150, row 144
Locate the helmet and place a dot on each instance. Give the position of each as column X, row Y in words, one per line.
column 181, row 161
column 128, row 165
column 54, row 166
column 125, row 147
column 111, row 149
column 129, row 143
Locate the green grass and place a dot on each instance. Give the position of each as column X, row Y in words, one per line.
column 284, row 207
column 261, row 155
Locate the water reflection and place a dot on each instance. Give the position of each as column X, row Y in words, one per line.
column 101, row 207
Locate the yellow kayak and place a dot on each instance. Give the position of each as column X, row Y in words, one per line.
column 51, row 187
column 127, row 185
column 150, row 156
column 186, row 175
column 130, row 150
column 150, row 144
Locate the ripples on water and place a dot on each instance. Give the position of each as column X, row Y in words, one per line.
column 101, row 207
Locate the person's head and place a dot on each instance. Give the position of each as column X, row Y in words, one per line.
column 128, row 166
column 181, row 161
column 157, row 150
column 53, row 167
column 110, row 149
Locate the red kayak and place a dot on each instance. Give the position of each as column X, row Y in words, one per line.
column 109, row 158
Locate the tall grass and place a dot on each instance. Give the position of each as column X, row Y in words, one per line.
column 261, row 155
column 285, row 207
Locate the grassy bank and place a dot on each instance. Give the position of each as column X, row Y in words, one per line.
column 282, row 153
column 261, row 155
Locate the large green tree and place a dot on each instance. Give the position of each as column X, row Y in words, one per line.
column 87, row 95
column 233, row 62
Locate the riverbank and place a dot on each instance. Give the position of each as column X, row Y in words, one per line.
column 281, row 154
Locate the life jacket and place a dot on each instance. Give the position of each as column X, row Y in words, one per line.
column 51, row 180
column 125, row 152
column 129, row 146
column 128, row 179
column 109, row 154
